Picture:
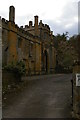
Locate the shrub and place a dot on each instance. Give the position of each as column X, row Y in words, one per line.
column 17, row 68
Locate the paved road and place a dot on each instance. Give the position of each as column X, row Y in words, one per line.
column 49, row 97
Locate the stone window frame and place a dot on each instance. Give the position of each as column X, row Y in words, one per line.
column 31, row 49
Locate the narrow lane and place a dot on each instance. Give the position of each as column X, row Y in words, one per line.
column 44, row 98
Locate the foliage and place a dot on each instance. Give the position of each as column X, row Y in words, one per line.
column 60, row 38
column 75, row 41
column 17, row 68
column 66, row 49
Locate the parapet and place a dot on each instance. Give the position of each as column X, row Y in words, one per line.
column 4, row 22
column 21, row 27
column 16, row 26
column 47, row 27
column 41, row 24
column 26, row 26
column 0, row 17
column 51, row 32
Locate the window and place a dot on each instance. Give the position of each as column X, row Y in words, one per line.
column 44, row 35
column 19, row 42
column 30, row 49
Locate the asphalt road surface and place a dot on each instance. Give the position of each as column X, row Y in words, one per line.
column 47, row 97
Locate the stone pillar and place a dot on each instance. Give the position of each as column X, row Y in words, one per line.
column 36, row 25
column 76, row 91
column 78, row 46
column 76, row 70
column 12, row 14
column 78, row 31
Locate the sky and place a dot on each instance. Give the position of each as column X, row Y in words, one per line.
column 60, row 15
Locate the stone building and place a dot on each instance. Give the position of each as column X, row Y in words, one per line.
column 32, row 44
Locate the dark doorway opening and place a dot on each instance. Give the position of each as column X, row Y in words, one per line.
column 46, row 61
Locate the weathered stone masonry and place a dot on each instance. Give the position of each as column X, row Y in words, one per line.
column 32, row 44
column 76, row 92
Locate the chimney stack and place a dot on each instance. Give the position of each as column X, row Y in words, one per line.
column 30, row 23
column 36, row 25
column 12, row 14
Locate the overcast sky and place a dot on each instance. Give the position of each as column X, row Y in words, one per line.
column 60, row 15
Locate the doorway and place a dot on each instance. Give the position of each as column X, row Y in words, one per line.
column 45, row 61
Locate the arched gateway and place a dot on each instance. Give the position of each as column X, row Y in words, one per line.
column 46, row 61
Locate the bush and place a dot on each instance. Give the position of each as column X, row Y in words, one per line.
column 17, row 68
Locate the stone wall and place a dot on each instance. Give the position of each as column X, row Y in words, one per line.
column 9, row 78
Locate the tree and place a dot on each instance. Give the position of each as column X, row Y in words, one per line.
column 66, row 50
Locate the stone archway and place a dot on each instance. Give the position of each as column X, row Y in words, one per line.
column 46, row 61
